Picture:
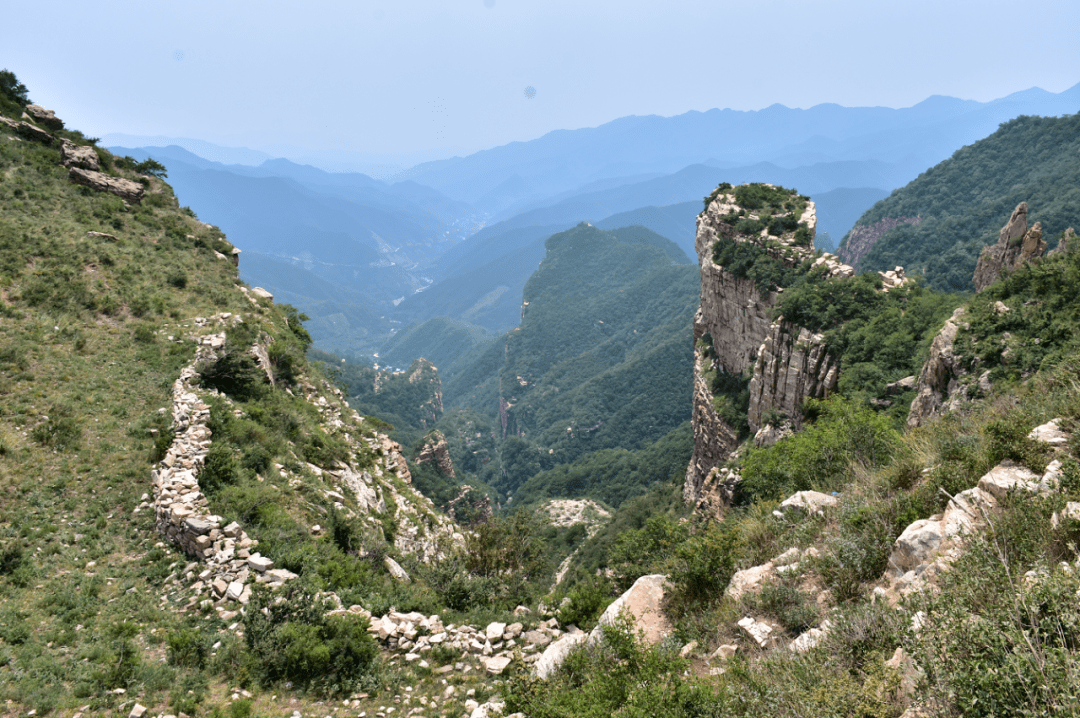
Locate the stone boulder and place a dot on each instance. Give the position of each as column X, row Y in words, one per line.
column 396, row 571
column 811, row 639
column 643, row 605
column 917, row 544
column 73, row 155
column 556, row 653
column 45, row 118
column 1049, row 433
column 809, row 502
column 750, row 580
column 1016, row 245
column 127, row 190
column 760, row 632
column 28, row 130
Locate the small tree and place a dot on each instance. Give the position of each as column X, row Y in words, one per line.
column 12, row 89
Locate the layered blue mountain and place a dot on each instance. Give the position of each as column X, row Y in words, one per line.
column 371, row 261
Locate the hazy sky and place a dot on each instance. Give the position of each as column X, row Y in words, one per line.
column 451, row 75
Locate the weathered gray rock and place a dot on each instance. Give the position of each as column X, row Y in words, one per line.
column 769, row 434
column 262, row 293
column 396, row 571
column 724, row 652
column 556, row 653
column 494, row 631
column 939, row 378
column 750, row 580
column 811, row 639
column 1068, row 238
column 495, row 665
column 45, row 118
column 1050, row 433
column 899, row 387
column 125, row 189
column 536, row 638
column 28, row 130
column 862, row 238
column 760, row 632
column 643, row 605
column 792, row 365
column 73, row 155
column 909, row 673
column 1008, row 476
column 917, row 544
column 809, row 503
column 708, row 487
column 1016, row 245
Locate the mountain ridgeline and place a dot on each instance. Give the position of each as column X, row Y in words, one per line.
column 937, row 225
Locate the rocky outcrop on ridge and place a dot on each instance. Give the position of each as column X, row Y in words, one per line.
column 928, row 546
column 737, row 317
column 75, row 155
column 437, row 452
column 46, row 118
column 28, row 130
column 1016, row 245
column 126, row 190
column 938, row 385
column 861, row 239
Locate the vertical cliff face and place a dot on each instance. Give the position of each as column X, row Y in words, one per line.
column 791, row 365
column 785, row 363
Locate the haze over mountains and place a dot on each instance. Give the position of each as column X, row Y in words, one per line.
column 458, row 238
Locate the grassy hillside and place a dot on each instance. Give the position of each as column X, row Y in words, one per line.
column 103, row 305
column 964, row 201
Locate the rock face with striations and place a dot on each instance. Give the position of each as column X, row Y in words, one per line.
column 1016, row 245
column 46, row 118
column 939, row 381
column 122, row 188
column 861, row 239
column 73, row 155
column 787, row 362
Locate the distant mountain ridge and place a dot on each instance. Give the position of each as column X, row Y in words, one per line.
column 520, row 172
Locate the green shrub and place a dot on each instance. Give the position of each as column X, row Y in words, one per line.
column 588, row 599
column 188, row 647
column 818, row 456
column 292, row 639
column 234, row 373
column 221, row 468
column 703, row 566
column 60, row 430
column 788, row 605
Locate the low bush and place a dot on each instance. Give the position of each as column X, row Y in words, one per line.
column 292, row 639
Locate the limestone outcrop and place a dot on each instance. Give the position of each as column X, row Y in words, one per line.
column 1016, row 246
column 737, row 317
column 938, row 385
column 927, row 547
column 28, row 130
column 714, row 441
column 436, row 451
column 45, row 118
column 73, row 155
column 792, row 365
column 127, row 190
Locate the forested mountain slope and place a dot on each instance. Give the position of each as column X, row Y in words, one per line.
column 937, row 225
